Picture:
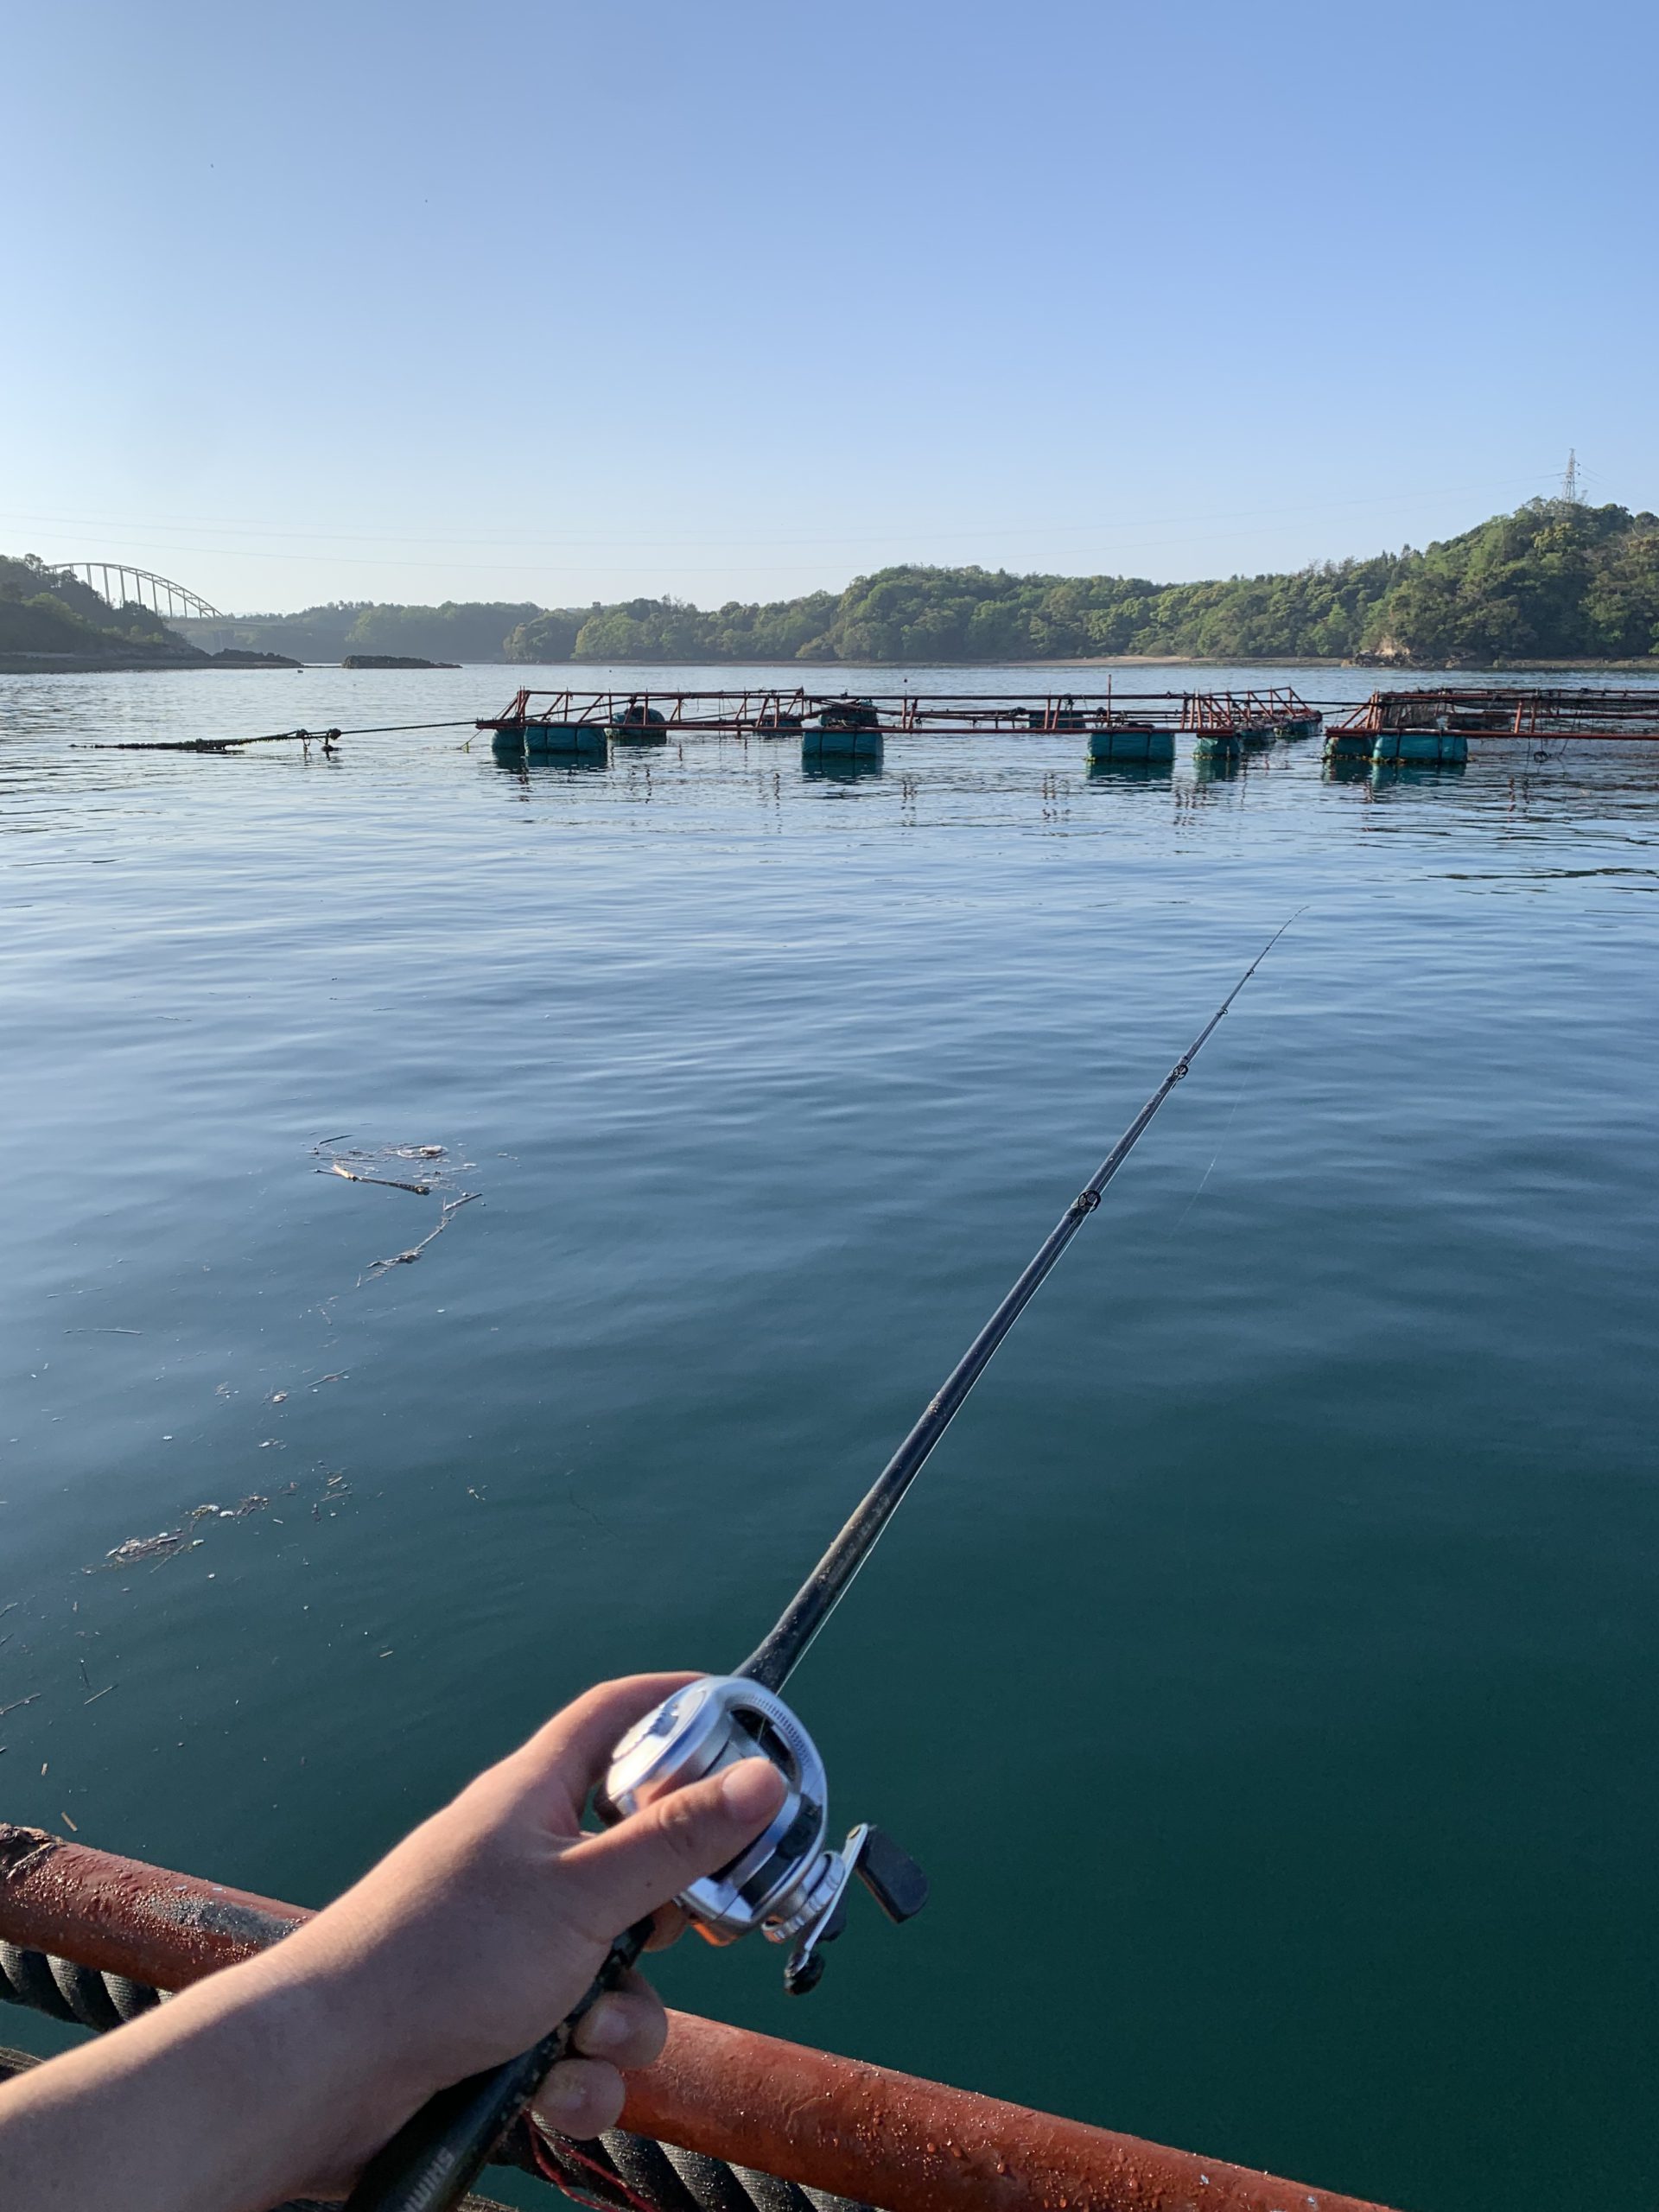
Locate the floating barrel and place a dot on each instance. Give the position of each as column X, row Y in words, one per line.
column 641, row 725
column 1217, row 745
column 1143, row 741
column 851, row 726
column 1064, row 718
column 1428, row 747
column 1348, row 745
column 550, row 737
column 777, row 722
column 845, row 744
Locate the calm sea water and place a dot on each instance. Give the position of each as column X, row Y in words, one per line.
column 1264, row 1669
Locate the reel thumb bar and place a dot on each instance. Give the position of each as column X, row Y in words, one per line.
column 430, row 2163
column 818, row 1596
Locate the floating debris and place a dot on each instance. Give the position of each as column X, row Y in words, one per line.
column 381, row 1182
column 17, row 1707
column 360, row 1164
column 367, row 1164
column 336, row 1490
column 169, row 1541
column 163, row 1545
column 452, row 1206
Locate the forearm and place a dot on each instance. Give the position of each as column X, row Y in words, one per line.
column 238, row 2094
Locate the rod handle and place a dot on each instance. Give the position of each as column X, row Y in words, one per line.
column 434, row 2159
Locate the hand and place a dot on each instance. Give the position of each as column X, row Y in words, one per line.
column 462, row 1948
column 482, row 1930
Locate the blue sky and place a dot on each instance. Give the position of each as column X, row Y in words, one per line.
column 562, row 301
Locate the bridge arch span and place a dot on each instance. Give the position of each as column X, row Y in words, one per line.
column 123, row 586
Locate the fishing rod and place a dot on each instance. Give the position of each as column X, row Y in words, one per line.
column 789, row 1883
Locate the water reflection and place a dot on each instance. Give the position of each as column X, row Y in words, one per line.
column 548, row 767
column 840, row 768
column 1217, row 767
column 1385, row 774
column 1132, row 772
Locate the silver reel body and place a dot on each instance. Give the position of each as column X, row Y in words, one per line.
column 789, row 1883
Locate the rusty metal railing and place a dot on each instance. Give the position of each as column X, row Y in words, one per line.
column 826, row 2122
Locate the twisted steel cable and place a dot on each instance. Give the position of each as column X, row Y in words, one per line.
column 619, row 2172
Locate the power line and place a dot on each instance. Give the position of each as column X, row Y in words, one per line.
column 907, row 534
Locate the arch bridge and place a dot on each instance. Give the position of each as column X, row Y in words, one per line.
column 137, row 587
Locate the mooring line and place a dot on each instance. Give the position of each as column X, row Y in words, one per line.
column 268, row 737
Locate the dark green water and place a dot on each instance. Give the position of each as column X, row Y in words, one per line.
column 1264, row 1669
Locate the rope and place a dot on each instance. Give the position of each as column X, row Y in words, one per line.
column 269, row 737
column 617, row 2172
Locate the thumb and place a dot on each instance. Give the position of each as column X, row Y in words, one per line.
column 640, row 1865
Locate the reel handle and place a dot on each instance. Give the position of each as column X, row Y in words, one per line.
column 434, row 2159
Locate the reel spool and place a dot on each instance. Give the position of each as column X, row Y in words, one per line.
column 789, row 1883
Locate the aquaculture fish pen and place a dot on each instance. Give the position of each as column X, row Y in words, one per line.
column 1117, row 726
column 1434, row 726
column 1224, row 722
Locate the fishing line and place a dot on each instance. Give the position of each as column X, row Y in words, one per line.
column 1221, row 1146
column 775, row 1659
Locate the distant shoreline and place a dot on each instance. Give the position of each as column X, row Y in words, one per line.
column 812, row 673
column 149, row 664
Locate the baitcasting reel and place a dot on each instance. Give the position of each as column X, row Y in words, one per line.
column 787, row 1884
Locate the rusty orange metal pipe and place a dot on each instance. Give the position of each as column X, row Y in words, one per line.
column 123, row 1916
column 837, row 2124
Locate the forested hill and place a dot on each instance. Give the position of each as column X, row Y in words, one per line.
column 48, row 616
column 1554, row 580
